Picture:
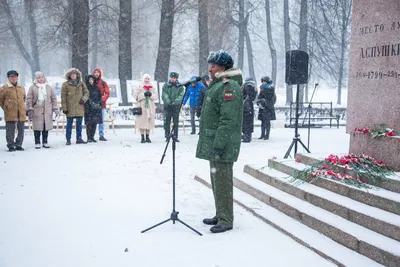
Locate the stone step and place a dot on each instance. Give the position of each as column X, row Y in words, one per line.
column 392, row 183
column 375, row 246
column 380, row 221
column 376, row 197
column 300, row 233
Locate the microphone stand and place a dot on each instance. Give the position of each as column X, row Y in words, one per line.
column 309, row 116
column 174, row 214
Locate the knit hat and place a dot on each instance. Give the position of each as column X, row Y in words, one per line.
column 221, row 58
column 39, row 74
column 249, row 79
column 265, row 79
column 174, row 75
column 12, row 73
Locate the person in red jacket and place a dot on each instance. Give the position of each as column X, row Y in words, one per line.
column 105, row 94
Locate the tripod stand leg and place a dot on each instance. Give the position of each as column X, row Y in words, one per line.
column 188, row 226
column 289, row 149
column 154, row 226
column 304, row 146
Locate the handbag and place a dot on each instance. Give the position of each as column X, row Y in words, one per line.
column 137, row 111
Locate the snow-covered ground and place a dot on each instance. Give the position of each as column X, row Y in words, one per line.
column 84, row 205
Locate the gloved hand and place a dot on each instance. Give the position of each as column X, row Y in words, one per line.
column 217, row 153
column 65, row 112
column 30, row 114
column 81, row 102
column 198, row 113
column 147, row 93
column 56, row 112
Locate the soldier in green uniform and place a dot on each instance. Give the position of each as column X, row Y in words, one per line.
column 172, row 94
column 220, row 134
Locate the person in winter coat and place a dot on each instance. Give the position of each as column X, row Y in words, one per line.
column 41, row 102
column 205, row 80
column 249, row 95
column 266, row 101
column 193, row 92
column 74, row 95
column 172, row 94
column 145, row 95
column 220, row 134
column 105, row 94
column 93, row 108
column 12, row 101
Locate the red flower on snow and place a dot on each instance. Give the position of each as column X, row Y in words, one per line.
column 298, row 159
column 391, row 133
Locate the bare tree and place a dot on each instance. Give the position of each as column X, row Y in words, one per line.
column 270, row 40
column 286, row 29
column 203, row 36
column 165, row 40
column 303, row 41
column 94, row 22
column 250, row 56
column 241, row 24
column 34, row 64
column 125, row 46
column 30, row 13
column 80, row 35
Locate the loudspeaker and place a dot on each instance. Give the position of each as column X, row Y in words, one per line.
column 296, row 67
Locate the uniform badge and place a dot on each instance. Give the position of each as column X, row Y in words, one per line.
column 228, row 94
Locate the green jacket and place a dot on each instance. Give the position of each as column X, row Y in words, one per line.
column 71, row 95
column 221, row 118
column 172, row 94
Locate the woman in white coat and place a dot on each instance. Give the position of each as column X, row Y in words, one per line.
column 145, row 95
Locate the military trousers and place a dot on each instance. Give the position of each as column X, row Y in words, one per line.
column 171, row 113
column 222, row 186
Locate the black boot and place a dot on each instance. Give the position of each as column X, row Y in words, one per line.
column 143, row 141
column 220, row 229
column 37, row 139
column 45, row 135
column 148, row 139
column 210, row 221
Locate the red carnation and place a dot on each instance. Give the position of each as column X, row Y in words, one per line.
column 298, row 159
column 391, row 133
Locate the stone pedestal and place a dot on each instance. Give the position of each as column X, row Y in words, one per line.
column 386, row 148
column 374, row 77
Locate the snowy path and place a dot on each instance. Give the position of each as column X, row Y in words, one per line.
column 84, row 205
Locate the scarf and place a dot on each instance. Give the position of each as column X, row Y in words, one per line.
column 42, row 93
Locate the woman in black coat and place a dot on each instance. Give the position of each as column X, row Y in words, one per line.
column 93, row 115
column 249, row 95
column 266, row 101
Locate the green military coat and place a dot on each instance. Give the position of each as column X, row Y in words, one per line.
column 221, row 117
column 172, row 94
column 71, row 95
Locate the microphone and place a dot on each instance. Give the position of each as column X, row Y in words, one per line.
column 187, row 83
column 316, row 84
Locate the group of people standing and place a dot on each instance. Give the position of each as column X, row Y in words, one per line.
column 79, row 99
column 266, row 100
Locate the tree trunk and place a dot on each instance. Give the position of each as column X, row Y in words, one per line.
column 242, row 29
column 17, row 37
column 342, row 49
column 303, row 40
column 165, row 40
column 203, row 36
column 271, row 41
column 125, row 47
column 80, row 36
column 95, row 37
column 286, row 29
column 29, row 11
column 250, row 55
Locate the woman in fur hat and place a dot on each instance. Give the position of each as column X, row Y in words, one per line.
column 41, row 102
column 145, row 95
